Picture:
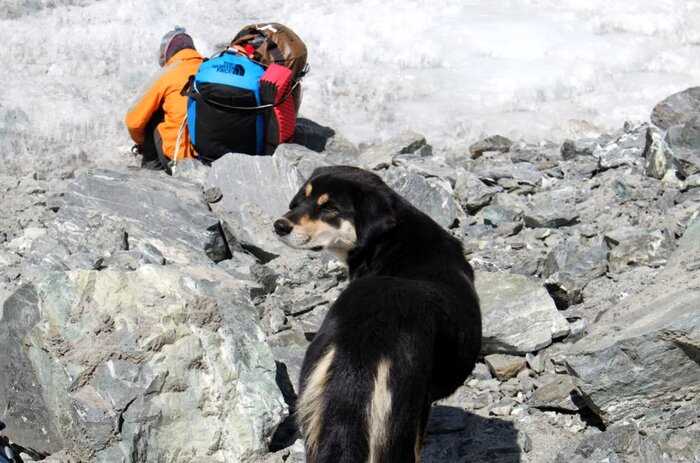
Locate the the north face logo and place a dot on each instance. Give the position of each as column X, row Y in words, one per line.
column 230, row 68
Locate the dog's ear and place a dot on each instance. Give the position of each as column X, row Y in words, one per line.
column 375, row 216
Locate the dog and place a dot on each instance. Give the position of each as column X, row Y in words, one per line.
column 404, row 333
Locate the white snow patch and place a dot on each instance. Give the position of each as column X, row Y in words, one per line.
column 453, row 70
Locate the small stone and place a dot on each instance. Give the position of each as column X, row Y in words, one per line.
column 213, row 194
column 536, row 362
column 493, row 143
column 502, row 408
column 481, row 371
column 556, row 394
column 504, row 366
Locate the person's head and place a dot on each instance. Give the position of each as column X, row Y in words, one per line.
column 172, row 42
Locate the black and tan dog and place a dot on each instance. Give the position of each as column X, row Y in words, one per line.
column 404, row 333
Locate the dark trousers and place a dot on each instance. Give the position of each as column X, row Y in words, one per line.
column 153, row 157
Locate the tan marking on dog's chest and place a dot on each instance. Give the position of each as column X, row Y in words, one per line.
column 310, row 406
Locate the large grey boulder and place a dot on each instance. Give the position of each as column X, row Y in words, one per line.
column 472, row 192
column 640, row 360
column 268, row 181
column 552, row 209
column 106, row 213
column 158, row 364
column 433, row 196
column 684, row 139
column 518, row 314
column 22, row 406
column 631, row 246
column 570, row 266
column 255, row 191
column 677, row 109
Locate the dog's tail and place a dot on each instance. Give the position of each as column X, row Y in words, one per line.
column 352, row 412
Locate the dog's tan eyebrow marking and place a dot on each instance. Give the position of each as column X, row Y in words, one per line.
column 308, row 189
column 323, row 199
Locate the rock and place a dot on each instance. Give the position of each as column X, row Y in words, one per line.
column 22, row 244
column 658, row 155
column 570, row 149
column 381, row 156
column 518, row 314
column 191, row 170
column 640, row 358
column 428, row 167
column 552, row 209
column 627, row 443
column 24, row 411
column 154, row 210
column 570, row 266
column 481, row 371
column 503, row 366
column 473, row 194
column 536, row 362
column 433, row 196
column 677, row 109
column 684, row 140
column 507, row 174
column 502, row 408
column 558, row 392
column 498, row 215
column 631, row 246
column 126, row 360
column 693, row 181
column 493, row 143
column 239, row 177
column 626, row 149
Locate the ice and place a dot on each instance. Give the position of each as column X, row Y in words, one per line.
column 454, row 70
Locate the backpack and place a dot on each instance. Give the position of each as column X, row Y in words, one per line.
column 246, row 98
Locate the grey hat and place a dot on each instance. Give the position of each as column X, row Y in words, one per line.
column 172, row 42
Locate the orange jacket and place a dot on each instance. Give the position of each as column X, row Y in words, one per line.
column 164, row 93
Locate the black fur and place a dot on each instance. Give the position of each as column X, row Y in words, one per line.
column 410, row 300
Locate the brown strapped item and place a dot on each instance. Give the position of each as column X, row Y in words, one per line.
column 274, row 43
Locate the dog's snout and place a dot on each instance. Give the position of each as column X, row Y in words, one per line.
column 283, row 227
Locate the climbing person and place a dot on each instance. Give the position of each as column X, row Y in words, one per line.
column 157, row 121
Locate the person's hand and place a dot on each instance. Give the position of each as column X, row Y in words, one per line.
column 137, row 149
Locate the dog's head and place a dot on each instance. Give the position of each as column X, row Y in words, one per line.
column 338, row 209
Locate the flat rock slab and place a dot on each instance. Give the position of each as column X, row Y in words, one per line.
column 433, row 196
column 268, row 181
column 519, row 316
column 255, row 191
column 641, row 357
column 107, row 211
column 552, row 209
column 634, row 246
column 559, row 392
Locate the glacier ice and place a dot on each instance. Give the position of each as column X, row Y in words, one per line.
column 453, row 70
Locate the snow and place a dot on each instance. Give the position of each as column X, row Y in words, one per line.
column 453, row 70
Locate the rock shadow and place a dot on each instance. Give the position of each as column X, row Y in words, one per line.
column 458, row 436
